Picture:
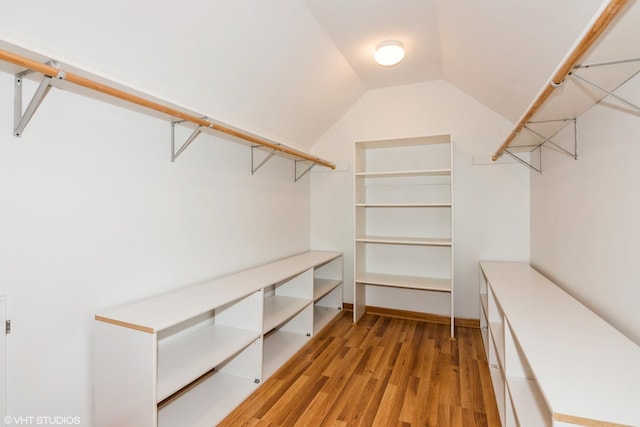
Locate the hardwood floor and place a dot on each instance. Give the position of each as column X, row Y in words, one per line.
column 381, row 371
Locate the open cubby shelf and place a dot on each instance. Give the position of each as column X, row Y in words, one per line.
column 189, row 357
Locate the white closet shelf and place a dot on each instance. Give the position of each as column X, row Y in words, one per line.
column 497, row 335
column 182, row 361
column 207, row 403
column 484, row 301
column 406, row 142
column 160, row 312
column 278, row 308
column 418, row 241
column 323, row 315
column 528, row 402
column 323, row 286
column 397, row 174
column 408, row 282
column 403, row 205
column 279, row 346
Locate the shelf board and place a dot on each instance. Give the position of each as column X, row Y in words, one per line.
column 409, row 282
column 279, row 308
column 322, row 316
column 484, row 301
column 152, row 315
column 420, row 241
column 497, row 380
column 497, row 335
column 184, row 360
column 206, row 403
column 405, row 142
column 528, row 403
column 396, row 174
column 322, row 287
column 485, row 341
column 403, row 205
column 279, row 346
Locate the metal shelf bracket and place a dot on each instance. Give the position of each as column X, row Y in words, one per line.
column 20, row 118
column 547, row 140
column 606, row 92
column 526, row 163
column 190, row 139
column 298, row 176
column 255, row 168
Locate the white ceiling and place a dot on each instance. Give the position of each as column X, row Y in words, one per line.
column 499, row 52
column 357, row 26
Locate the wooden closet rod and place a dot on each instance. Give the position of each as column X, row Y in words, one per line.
column 49, row 70
column 597, row 28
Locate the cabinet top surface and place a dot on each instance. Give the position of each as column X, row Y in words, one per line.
column 162, row 311
column 584, row 367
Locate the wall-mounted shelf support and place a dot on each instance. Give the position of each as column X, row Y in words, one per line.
column 190, row 139
column 573, row 154
column 536, row 149
column 548, row 140
column 255, row 168
column 526, row 163
column 20, row 118
column 298, row 176
column 606, row 92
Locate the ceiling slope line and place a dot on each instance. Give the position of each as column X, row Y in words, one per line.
column 589, row 37
column 51, row 71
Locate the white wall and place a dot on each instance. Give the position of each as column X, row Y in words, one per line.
column 491, row 201
column 93, row 215
column 585, row 233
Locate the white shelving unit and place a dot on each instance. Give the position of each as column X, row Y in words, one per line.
column 403, row 217
column 553, row 362
column 190, row 356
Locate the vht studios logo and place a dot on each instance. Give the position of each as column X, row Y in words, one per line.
column 41, row 420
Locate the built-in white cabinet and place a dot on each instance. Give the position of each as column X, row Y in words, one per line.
column 553, row 362
column 403, row 217
column 188, row 357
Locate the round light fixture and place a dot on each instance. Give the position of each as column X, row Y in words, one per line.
column 389, row 52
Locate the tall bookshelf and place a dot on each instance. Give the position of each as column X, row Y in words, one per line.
column 404, row 217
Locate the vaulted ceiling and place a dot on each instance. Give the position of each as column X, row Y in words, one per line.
column 499, row 52
column 288, row 70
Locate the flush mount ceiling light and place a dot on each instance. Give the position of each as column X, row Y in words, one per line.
column 389, row 52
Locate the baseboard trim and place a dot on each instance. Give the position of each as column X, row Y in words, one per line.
column 416, row 315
